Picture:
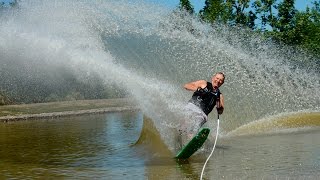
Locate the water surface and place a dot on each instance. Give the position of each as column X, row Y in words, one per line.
column 103, row 147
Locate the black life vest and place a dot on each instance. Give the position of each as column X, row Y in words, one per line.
column 206, row 98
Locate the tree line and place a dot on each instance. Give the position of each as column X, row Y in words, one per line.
column 279, row 20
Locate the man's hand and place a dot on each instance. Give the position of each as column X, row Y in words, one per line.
column 220, row 110
column 220, row 104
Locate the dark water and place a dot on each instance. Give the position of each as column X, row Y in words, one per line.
column 89, row 147
column 103, row 147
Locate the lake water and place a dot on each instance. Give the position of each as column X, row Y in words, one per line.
column 105, row 146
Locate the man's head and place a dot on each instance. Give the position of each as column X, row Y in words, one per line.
column 218, row 79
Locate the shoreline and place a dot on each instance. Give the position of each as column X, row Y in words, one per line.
column 11, row 113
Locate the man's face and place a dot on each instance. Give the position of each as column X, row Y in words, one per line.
column 217, row 80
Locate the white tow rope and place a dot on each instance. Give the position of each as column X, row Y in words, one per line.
column 214, row 146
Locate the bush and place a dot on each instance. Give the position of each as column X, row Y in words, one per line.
column 4, row 100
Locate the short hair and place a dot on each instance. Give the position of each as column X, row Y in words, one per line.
column 221, row 74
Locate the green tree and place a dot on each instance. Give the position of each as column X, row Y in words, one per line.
column 307, row 29
column 286, row 13
column 241, row 17
column 265, row 12
column 213, row 11
column 186, row 5
column 231, row 12
column 277, row 19
column 297, row 28
column 251, row 20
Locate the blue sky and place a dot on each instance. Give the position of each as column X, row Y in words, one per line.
column 198, row 4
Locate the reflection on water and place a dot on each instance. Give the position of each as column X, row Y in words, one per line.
column 101, row 147
column 87, row 146
column 279, row 156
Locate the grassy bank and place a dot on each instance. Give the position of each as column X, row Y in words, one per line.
column 38, row 110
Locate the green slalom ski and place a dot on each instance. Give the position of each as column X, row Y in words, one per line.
column 193, row 145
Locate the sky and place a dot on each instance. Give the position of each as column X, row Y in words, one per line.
column 198, row 4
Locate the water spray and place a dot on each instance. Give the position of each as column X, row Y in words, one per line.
column 214, row 146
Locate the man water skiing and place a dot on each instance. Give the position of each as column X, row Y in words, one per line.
column 206, row 95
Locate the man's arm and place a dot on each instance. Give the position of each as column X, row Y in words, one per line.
column 193, row 86
column 220, row 105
